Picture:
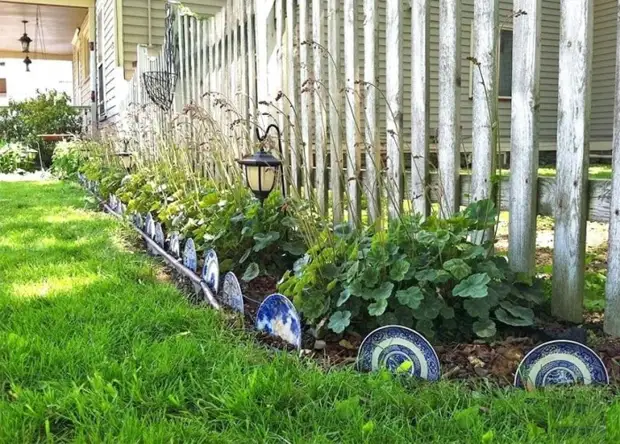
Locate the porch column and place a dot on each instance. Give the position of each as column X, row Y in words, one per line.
column 92, row 32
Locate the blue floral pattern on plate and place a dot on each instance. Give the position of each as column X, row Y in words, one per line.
column 159, row 237
column 211, row 271
column 277, row 317
column 149, row 225
column 138, row 221
column 561, row 362
column 174, row 245
column 231, row 293
column 189, row 255
column 392, row 347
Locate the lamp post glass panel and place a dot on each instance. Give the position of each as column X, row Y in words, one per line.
column 261, row 171
column 126, row 160
column 25, row 40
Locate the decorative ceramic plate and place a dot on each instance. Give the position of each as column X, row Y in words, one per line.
column 159, row 237
column 138, row 221
column 231, row 292
column 122, row 209
column 277, row 316
column 189, row 255
column 149, row 228
column 112, row 201
column 560, row 363
column 392, row 347
column 174, row 245
column 211, row 271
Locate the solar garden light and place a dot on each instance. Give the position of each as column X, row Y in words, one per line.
column 126, row 156
column 261, row 168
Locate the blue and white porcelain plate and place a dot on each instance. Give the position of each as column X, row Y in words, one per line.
column 149, row 228
column 277, row 316
column 138, row 221
column 122, row 209
column 159, row 237
column 174, row 245
column 392, row 346
column 112, row 202
column 211, row 271
column 189, row 255
column 561, row 362
column 231, row 293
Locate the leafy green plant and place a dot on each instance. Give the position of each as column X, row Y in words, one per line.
column 47, row 113
column 68, row 157
column 420, row 273
column 15, row 157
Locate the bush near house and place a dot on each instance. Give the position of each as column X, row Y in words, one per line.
column 47, row 113
column 15, row 157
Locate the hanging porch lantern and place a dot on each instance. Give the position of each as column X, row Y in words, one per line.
column 126, row 160
column 25, row 40
column 27, row 62
column 261, row 171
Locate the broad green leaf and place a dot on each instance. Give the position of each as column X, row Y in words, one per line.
column 482, row 213
column 485, row 328
column 377, row 308
column 344, row 297
column 339, row 321
column 399, row 269
column 517, row 311
column 458, row 267
column 371, row 276
column 381, row 293
column 473, row 252
column 426, row 327
column 475, row 286
column 251, row 272
column 447, row 312
column 356, row 288
column 352, row 271
column 477, row 308
column 332, row 285
column 245, row 255
column 506, row 318
column 426, row 237
column 429, row 309
column 427, row 275
column 294, row 248
column 404, row 367
column 489, row 267
column 263, row 240
column 226, row 265
column 411, row 297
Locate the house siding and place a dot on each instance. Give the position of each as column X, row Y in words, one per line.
column 106, row 10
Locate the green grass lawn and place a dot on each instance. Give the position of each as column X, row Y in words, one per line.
column 96, row 346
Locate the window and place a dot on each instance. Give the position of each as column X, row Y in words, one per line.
column 2, row 87
column 504, row 65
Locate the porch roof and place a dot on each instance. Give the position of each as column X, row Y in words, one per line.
column 58, row 22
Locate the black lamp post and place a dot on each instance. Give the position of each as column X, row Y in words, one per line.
column 261, row 168
column 25, row 40
column 27, row 62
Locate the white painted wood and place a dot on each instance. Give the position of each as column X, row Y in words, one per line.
column 193, row 62
column 306, row 94
column 293, row 93
column 245, row 103
column 212, row 63
column 351, row 110
column 335, row 107
column 449, row 104
column 320, row 101
column 371, row 131
column 205, row 61
column 181, row 81
column 281, row 104
column 235, row 61
column 185, row 59
column 420, row 104
column 576, row 24
column 484, row 123
column 394, row 114
column 524, row 136
column 612, row 289
column 252, row 69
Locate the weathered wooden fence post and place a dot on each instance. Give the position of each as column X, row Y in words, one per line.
column 293, row 93
column 420, row 104
column 335, row 107
column 351, row 109
column 612, row 290
column 449, row 105
column 524, row 136
column 576, row 23
column 394, row 114
column 371, row 133
column 306, row 94
column 320, row 101
column 484, row 123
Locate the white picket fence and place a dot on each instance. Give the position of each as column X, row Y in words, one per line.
column 286, row 62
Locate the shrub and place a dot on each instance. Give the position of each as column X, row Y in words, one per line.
column 67, row 158
column 419, row 273
column 47, row 113
column 16, row 157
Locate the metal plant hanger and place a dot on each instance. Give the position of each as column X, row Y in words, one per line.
column 160, row 85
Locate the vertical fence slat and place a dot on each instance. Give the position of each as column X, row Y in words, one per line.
column 181, row 82
column 351, row 109
column 293, row 92
column 281, row 68
column 612, row 288
column 576, row 28
column 194, row 63
column 484, row 125
column 245, row 104
column 252, row 69
column 306, row 94
column 319, row 103
column 420, row 105
column 186, row 55
column 394, row 115
column 524, row 136
column 372, row 143
column 449, row 105
column 335, row 106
